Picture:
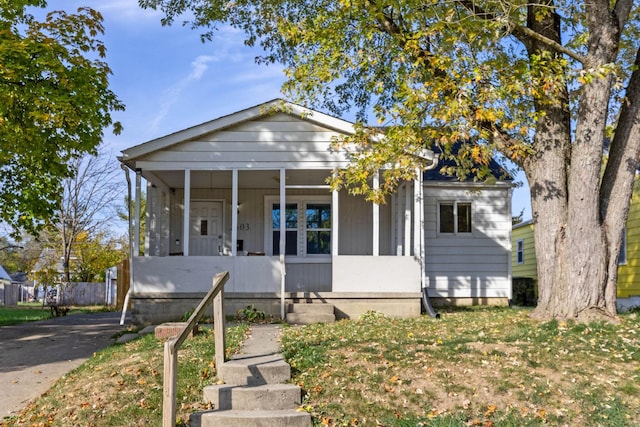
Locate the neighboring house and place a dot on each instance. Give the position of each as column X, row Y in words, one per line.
column 525, row 269
column 247, row 193
column 5, row 281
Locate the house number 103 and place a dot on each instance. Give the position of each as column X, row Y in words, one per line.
column 244, row 226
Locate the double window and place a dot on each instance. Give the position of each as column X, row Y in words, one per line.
column 307, row 226
column 455, row 217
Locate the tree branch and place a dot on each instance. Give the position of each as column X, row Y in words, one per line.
column 522, row 33
column 624, row 151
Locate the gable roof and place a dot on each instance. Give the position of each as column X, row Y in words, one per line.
column 252, row 113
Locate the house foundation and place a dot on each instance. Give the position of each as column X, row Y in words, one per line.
column 159, row 308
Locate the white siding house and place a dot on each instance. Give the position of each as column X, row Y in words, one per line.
column 215, row 194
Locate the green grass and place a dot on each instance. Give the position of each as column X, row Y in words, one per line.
column 474, row 367
column 480, row 366
column 35, row 311
column 22, row 314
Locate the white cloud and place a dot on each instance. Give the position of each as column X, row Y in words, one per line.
column 128, row 10
column 199, row 67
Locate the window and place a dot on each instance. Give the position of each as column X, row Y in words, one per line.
column 520, row 251
column 308, row 227
column 622, row 257
column 455, row 217
column 291, row 228
column 318, row 218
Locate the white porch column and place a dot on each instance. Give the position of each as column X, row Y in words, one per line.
column 407, row 220
column 334, row 222
column 423, row 272
column 150, row 213
column 397, row 209
column 283, row 240
column 136, row 232
column 187, row 213
column 376, row 217
column 416, row 215
column 234, row 212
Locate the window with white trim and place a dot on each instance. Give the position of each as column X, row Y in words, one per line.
column 520, row 251
column 307, row 226
column 455, row 217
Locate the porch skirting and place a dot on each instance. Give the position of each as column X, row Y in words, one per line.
column 156, row 308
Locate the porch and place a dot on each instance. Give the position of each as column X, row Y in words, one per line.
column 168, row 287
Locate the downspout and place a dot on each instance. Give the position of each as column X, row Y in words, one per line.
column 126, row 298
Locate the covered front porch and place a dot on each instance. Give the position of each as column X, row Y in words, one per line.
column 326, row 245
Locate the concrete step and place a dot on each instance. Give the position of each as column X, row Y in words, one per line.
column 264, row 397
column 255, row 370
column 235, row 418
column 309, row 318
column 320, row 308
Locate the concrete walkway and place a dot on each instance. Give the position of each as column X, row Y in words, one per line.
column 262, row 340
column 34, row 355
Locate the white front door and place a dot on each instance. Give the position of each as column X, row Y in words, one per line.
column 205, row 225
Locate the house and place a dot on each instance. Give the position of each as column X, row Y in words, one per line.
column 247, row 193
column 525, row 273
column 524, row 264
column 5, row 281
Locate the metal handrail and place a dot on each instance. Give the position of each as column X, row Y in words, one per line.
column 172, row 345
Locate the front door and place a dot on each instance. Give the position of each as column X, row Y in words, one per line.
column 205, row 225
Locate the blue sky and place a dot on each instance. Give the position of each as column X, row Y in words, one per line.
column 169, row 80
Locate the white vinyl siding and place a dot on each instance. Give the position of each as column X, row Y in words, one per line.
column 469, row 265
column 270, row 142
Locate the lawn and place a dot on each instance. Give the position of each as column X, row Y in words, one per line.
column 35, row 311
column 477, row 367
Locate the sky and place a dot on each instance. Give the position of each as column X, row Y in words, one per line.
column 169, row 80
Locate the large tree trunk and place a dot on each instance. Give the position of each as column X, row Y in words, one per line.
column 574, row 248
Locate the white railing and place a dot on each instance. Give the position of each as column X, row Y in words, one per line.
column 171, row 347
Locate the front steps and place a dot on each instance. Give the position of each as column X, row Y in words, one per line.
column 255, row 394
column 310, row 313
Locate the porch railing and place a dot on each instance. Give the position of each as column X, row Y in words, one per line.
column 171, row 347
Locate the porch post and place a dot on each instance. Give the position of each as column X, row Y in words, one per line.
column 187, row 213
column 136, row 232
column 376, row 217
column 234, row 213
column 407, row 220
column 398, row 219
column 334, row 222
column 416, row 216
column 283, row 240
column 150, row 213
column 423, row 272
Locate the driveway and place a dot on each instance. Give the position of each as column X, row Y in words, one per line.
column 34, row 355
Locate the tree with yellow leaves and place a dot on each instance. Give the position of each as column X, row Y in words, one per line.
column 549, row 84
